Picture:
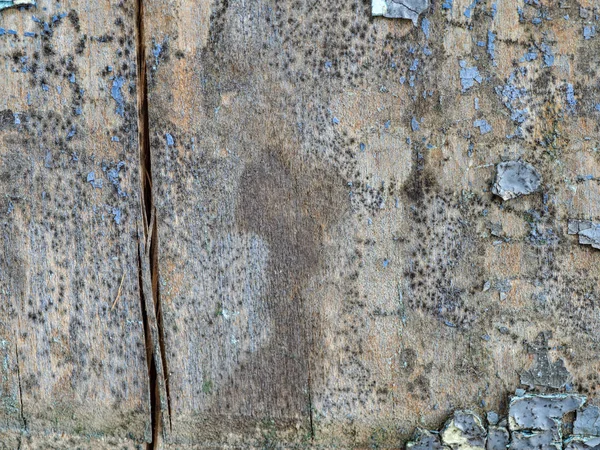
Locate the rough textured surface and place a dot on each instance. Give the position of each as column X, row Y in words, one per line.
column 73, row 359
column 544, row 373
column 331, row 267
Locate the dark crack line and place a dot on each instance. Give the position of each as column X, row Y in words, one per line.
column 22, row 413
column 148, row 256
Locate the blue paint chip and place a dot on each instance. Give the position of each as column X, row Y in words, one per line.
column 114, row 139
column 468, row 12
column 426, row 27
column 448, row 4
column 170, row 140
column 387, row 124
column 491, row 47
column 468, row 76
column 386, row 263
column 414, row 124
column 589, row 32
column 29, row 34
column 362, row 147
column 13, row 32
column 45, row 87
column 414, row 66
column 548, row 55
column 117, row 215
column 483, row 125
column 72, row 78
column 115, row 91
column 335, row 121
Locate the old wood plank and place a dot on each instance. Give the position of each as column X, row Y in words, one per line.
column 322, row 184
column 69, row 210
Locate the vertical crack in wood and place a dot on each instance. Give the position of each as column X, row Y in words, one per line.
column 23, row 419
column 148, row 257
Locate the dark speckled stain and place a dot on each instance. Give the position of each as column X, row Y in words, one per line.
column 291, row 208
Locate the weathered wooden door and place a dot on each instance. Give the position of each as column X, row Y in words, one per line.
column 273, row 224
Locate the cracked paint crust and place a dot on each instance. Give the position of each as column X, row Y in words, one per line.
column 4, row 4
column 397, row 9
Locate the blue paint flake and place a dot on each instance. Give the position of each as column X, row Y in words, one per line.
column 483, row 125
column 13, row 32
column 115, row 91
column 387, row 124
column 426, row 26
column 114, row 139
column 328, row 64
column 2, row 31
column 448, row 4
column 414, row 124
column 491, row 47
column 597, row 107
column 494, row 10
column 335, row 121
column 414, row 66
column 112, row 173
column 548, row 55
column 72, row 78
column 29, row 34
column 170, row 140
column 91, row 178
column 427, row 51
column 45, row 87
column 362, row 147
column 468, row 76
column 476, row 103
column 480, row 44
column 72, row 132
column 386, row 263
column 589, row 32
column 571, row 101
column 470, row 9
column 116, row 212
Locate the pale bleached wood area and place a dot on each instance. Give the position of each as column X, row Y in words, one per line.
column 270, row 224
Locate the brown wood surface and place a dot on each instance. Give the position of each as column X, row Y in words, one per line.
column 72, row 334
column 308, row 228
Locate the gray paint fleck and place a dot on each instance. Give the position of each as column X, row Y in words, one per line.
column 464, row 431
column 540, row 440
column 544, row 372
column 15, row 3
column 588, row 232
column 587, row 421
column 541, row 413
column 399, row 9
column 497, row 438
column 582, row 443
column 515, row 178
column 425, row 440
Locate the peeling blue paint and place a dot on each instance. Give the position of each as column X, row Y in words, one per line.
column 491, row 47
column 483, row 125
column 29, row 34
column 494, row 10
column 426, row 26
column 589, row 32
column 116, row 212
column 335, row 121
column 468, row 12
column 171, row 141
column 448, row 4
column 118, row 83
column 414, row 124
column 548, row 55
column 91, row 178
column 72, row 78
column 468, row 76
column 414, row 66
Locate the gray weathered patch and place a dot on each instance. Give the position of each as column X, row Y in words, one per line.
column 544, row 372
column 464, row 431
column 399, row 9
column 497, row 438
column 425, row 440
column 540, row 440
column 14, row 3
column 582, row 443
column 516, row 178
column 587, row 422
column 535, row 420
column 588, row 232
column 492, row 417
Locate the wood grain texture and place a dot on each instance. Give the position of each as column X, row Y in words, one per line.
column 72, row 337
column 324, row 213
